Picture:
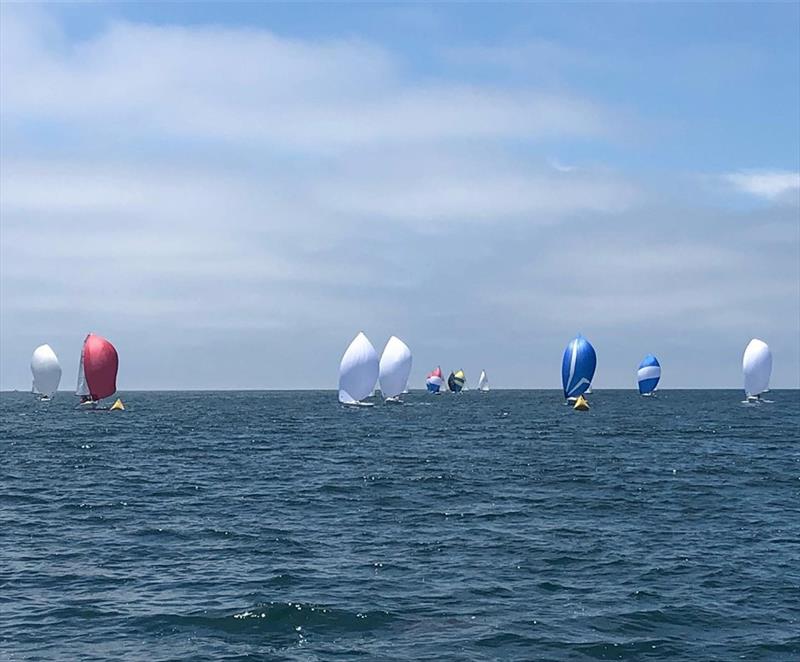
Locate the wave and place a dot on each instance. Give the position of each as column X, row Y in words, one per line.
column 273, row 617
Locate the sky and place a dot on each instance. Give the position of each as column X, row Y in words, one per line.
column 231, row 192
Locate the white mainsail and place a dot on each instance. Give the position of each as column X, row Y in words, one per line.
column 757, row 367
column 82, row 388
column 358, row 370
column 394, row 368
column 46, row 371
column 483, row 382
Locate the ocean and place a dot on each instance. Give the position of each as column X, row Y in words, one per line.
column 282, row 526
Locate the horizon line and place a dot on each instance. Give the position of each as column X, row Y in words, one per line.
column 421, row 390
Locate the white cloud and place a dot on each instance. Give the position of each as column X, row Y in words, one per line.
column 767, row 184
column 251, row 85
column 257, row 199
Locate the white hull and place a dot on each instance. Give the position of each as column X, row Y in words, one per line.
column 756, row 400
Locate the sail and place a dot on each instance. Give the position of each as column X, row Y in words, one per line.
column 97, row 374
column 757, row 367
column 82, row 389
column 483, row 382
column 434, row 381
column 455, row 382
column 577, row 367
column 649, row 374
column 394, row 367
column 46, row 370
column 358, row 370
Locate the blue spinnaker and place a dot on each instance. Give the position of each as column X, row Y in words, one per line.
column 649, row 374
column 577, row 367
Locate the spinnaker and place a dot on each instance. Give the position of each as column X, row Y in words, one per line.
column 394, row 368
column 46, row 371
column 456, row 381
column 648, row 375
column 97, row 373
column 577, row 367
column 434, row 381
column 757, row 368
column 358, row 371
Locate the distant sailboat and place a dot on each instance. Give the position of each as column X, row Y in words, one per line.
column 648, row 375
column 46, row 371
column 757, row 369
column 577, row 367
column 358, row 372
column 483, row 382
column 394, row 369
column 456, row 381
column 97, row 373
column 434, row 381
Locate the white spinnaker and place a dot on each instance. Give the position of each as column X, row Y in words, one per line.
column 46, row 370
column 395, row 367
column 483, row 382
column 757, row 367
column 358, row 371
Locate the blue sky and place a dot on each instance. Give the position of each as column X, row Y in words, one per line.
column 231, row 192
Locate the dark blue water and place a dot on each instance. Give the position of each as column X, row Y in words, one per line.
column 482, row 526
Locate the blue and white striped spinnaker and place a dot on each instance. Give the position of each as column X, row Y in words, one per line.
column 577, row 367
column 649, row 374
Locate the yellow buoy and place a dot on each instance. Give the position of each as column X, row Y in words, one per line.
column 118, row 405
column 581, row 404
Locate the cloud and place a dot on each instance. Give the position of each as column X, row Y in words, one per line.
column 230, row 206
column 246, row 85
column 771, row 185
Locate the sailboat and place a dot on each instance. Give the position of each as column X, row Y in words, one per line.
column 577, row 367
column 757, row 369
column 394, row 369
column 358, row 372
column 434, row 381
column 483, row 382
column 46, row 372
column 456, row 381
column 648, row 375
column 97, row 373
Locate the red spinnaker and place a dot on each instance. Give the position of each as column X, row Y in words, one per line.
column 436, row 373
column 100, row 363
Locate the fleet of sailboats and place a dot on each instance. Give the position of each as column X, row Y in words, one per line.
column 363, row 375
column 97, row 372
